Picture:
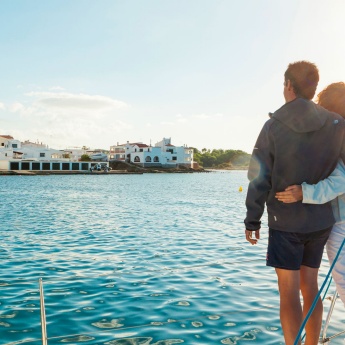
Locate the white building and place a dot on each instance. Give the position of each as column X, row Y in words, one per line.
column 117, row 152
column 11, row 148
column 163, row 154
column 17, row 155
column 75, row 154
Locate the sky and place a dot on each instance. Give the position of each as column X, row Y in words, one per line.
column 204, row 73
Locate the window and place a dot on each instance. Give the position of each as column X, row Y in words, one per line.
column 148, row 159
column 141, row 150
column 136, row 159
column 25, row 166
column 14, row 166
column 42, row 154
column 56, row 166
column 75, row 166
column 174, row 158
column 156, row 159
column 119, row 150
column 36, row 166
column 15, row 146
column 2, row 144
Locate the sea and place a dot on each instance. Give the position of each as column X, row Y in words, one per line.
column 151, row 259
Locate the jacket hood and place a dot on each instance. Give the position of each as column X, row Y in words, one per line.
column 301, row 115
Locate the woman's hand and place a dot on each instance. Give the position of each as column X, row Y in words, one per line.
column 291, row 194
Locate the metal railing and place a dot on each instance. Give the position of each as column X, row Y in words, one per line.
column 43, row 314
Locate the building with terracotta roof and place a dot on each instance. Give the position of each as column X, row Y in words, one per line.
column 163, row 154
column 2, row 137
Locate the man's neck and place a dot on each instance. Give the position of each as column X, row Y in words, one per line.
column 290, row 98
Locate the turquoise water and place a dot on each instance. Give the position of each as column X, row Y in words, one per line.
column 152, row 259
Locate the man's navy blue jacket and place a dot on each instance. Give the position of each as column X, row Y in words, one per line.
column 302, row 142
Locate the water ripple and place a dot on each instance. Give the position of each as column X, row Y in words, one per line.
column 134, row 259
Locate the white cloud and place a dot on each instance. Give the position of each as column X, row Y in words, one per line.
column 16, row 107
column 64, row 100
column 202, row 116
column 167, row 123
column 2, row 106
column 208, row 116
column 61, row 119
column 181, row 118
column 57, row 88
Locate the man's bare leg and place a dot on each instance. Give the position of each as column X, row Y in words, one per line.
column 290, row 305
column 309, row 288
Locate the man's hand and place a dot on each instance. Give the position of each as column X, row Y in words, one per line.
column 249, row 234
column 291, row 194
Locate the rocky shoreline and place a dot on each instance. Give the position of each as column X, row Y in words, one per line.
column 129, row 167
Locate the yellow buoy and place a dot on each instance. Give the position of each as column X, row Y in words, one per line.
column 240, row 189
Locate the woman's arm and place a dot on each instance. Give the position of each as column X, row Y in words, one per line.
column 327, row 189
column 320, row 193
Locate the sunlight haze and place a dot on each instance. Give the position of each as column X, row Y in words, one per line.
column 203, row 72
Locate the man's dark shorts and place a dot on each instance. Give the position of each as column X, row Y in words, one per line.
column 290, row 250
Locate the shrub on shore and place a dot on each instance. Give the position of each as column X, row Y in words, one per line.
column 222, row 159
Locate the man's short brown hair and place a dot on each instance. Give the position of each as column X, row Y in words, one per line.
column 333, row 98
column 304, row 77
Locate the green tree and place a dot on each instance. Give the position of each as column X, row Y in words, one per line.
column 219, row 158
column 85, row 158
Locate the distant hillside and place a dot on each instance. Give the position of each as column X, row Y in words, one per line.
column 222, row 159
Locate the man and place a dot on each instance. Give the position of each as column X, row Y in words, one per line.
column 331, row 189
column 302, row 142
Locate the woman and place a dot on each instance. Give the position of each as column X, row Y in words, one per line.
column 333, row 188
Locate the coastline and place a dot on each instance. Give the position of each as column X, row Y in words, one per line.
column 226, row 169
column 111, row 172
column 131, row 171
column 35, row 173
